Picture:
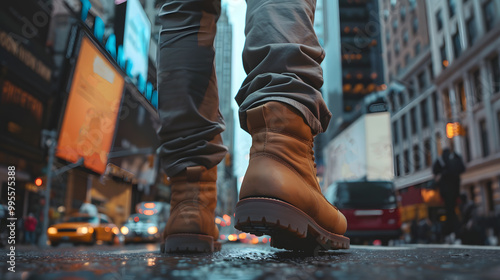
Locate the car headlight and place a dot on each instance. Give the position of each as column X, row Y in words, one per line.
column 52, row 230
column 152, row 230
column 124, row 230
column 84, row 230
column 115, row 230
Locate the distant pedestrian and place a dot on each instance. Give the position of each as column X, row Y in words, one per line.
column 29, row 228
column 447, row 169
column 470, row 232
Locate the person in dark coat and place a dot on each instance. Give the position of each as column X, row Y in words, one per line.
column 447, row 170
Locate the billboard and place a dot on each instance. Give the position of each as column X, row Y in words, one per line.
column 133, row 31
column 362, row 150
column 91, row 111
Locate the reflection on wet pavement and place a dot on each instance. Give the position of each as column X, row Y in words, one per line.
column 240, row 261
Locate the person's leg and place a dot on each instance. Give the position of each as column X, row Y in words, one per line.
column 191, row 124
column 188, row 100
column 282, row 58
column 282, row 108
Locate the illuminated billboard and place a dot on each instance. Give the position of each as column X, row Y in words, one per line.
column 91, row 111
column 133, row 31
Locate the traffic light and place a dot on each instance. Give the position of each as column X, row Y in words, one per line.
column 38, row 182
column 454, row 129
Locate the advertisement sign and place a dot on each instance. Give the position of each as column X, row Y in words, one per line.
column 91, row 111
column 136, row 131
column 135, row 37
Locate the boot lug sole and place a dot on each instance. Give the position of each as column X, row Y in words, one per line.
column 189, row 243
column 289, row 227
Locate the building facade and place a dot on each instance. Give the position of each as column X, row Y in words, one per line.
column 352, row 66
column 465, row 43
column 226, row 182
column 416, row 125
column 442, row 66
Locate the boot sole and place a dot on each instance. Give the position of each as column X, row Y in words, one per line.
column 189, row 243
column 289, row 227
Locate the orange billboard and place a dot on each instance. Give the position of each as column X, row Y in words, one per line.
column 92, row 108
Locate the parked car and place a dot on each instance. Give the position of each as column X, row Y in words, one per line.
column 370, row 207
column 142, row 228
column 83, row 229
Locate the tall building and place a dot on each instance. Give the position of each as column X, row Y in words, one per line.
column 465, row 48
column 352, row 67
column 442, row 66
column 226, row 183
column 416, row 125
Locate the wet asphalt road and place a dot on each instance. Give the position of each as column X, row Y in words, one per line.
column 242, row 261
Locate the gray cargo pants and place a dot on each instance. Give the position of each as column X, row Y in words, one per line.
column 281, row 57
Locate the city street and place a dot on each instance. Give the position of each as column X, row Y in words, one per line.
column 242, row 261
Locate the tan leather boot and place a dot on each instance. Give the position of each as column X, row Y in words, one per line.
column 191, row 225
column 280, row 195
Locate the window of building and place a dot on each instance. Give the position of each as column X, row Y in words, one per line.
column 467, row 145
column 415, row 25
column 490, row 201
column 489, row 11
column 439, row 147
column 422, row 81
column 405, row 38
column 396, row 166
column 457, row 45
column 427, row 153
column 403, row 13
column 397, row 48
column 416, row 157
column 477, row 86
column 471, row 31
column 387, row 35
column 417, row 48
column 424, row 112
column 435, row 106
column 395, row 138
column 401, row 100
column 398, row 68
column 413, row 4
column 406, row 162
column 403, row 127
column 461, row 96
column 444, row 57
column 439, row 20
column 395, row 25
column 390, row 96
column 388, row 58
column 413, row 120
column 407, row 60
column 483, row 132
column 447, row 104
column 495, row 72
column 498, row 123
column 451, row 7
column 411, row 90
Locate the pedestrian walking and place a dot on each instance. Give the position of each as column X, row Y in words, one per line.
column 280, row 106
column 29, row 229
column 470, row 232
column 447, row 169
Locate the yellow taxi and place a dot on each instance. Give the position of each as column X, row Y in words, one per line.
column 83, row 229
